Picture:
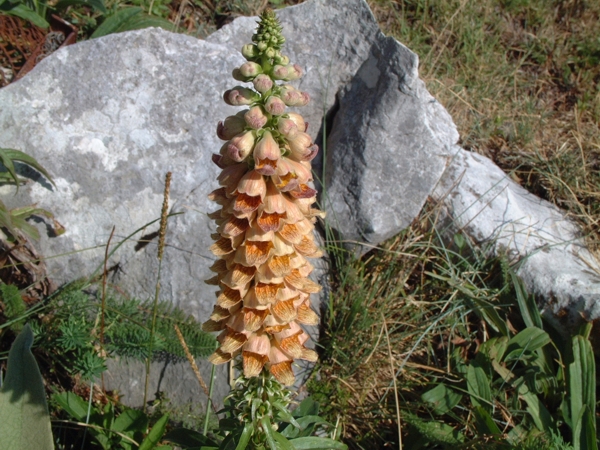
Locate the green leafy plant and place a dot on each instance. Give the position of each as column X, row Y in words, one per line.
column 38, row 11
column 69, row 333
column 545, row 383
column 14, row 221
column 246, row 417
column 112, row 427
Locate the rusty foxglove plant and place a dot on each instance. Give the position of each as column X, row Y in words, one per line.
column 265, row 221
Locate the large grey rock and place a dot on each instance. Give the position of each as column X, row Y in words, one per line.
column 109, row 117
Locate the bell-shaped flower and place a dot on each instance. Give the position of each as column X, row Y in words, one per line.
column 255, row 354
column 266, row 155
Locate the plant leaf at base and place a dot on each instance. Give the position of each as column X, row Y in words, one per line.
column 442, row 398
column 156, row 433
column 24, row 419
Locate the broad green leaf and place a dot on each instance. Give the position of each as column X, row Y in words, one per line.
column 436, row 432
column 306, row 423
column 582, row 384
column 6, row 160
column 245, row 436
column 128, row 19
column 530, row 339
column 281, row 441
column 114, row 22
column 284, row 414
column 584, row 434
column 7, row 154
column 73, row 404
column 144, row 20
column 484, row 423
column 478, row 386
column 156, row 433
column 442, row 398
column 24, row 12
column 24, row 418
column 317, row 443
column 6, row 219
column 308, row 407
column 538, row 412
column 131, row 420
column 494, row 348
column 97, row 5
column 19, row 216
column 270, row 434
column 188, row 438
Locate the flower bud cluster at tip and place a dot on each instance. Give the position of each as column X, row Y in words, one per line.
column 265, row 222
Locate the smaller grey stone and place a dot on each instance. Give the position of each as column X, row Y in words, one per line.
column 546, row 247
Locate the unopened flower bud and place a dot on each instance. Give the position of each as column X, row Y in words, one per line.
column 288, row 128
column 250, row 51
column 262, row 46
column 241, row 146
column 298, row 120
column 256, row 117
column 287, row 73
column 293, row 97
column 280, row 72
column 237, row 74
column 250, row 69
column 294, row 72
column 270, row 52
column 239, row 96
column 274, row 105
column 262, row 83
column 232, row 126
column 283, row 60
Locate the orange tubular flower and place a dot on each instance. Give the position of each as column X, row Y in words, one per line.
column 265, row 222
